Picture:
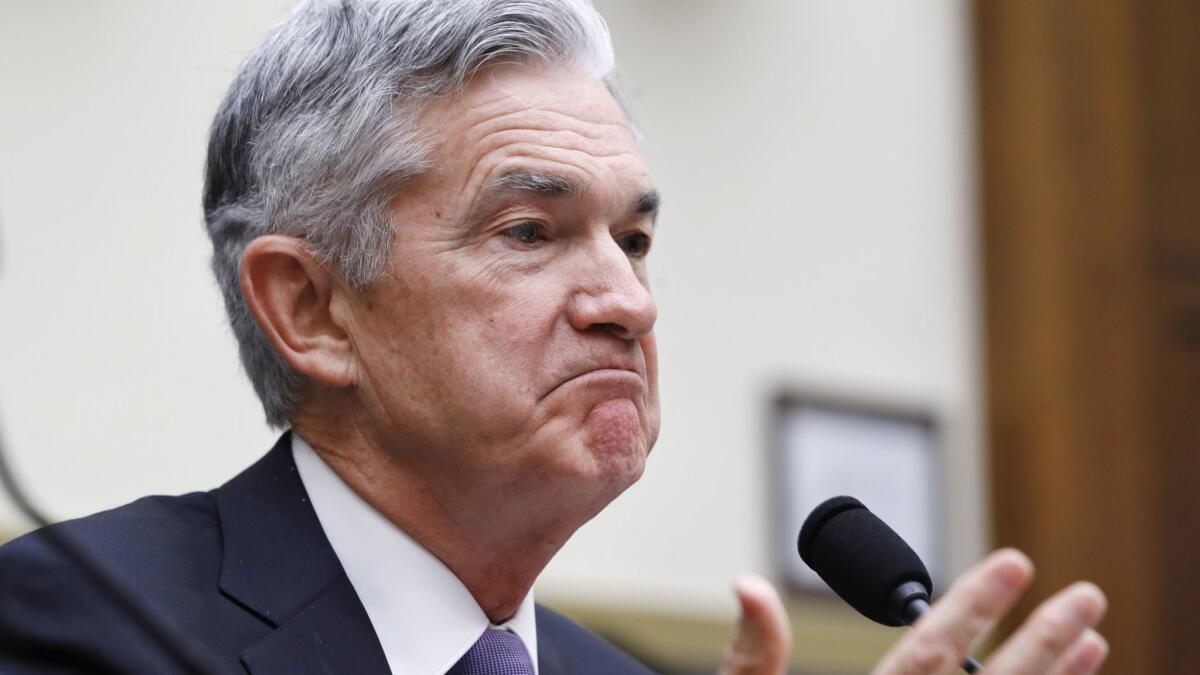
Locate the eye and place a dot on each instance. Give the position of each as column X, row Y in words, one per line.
column 635, row 245
column 528, row 232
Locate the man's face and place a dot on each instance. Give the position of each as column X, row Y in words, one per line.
column 512, row 339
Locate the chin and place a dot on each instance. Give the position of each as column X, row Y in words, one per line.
column 616, row 442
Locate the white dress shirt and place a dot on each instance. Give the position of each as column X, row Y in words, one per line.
column 425, row 618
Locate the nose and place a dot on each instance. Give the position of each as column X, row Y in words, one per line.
column 610, row 296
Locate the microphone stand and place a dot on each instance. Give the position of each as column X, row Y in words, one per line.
column 913, row 599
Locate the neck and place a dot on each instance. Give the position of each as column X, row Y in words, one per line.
column 489, row 537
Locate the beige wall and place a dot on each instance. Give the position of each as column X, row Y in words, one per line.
column 817, row 230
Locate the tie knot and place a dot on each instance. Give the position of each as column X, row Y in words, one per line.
column 496, row 652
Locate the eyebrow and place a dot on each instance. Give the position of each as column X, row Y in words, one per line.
column 647, row 202
column 542, row 184
column 525, row 180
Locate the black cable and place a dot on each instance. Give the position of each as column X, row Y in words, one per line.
column 181, row 649
column 16, row 494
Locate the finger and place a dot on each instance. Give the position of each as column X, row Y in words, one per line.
column 941, row 639
column 1052, row 629
column 764, row 637
column 1084, row 657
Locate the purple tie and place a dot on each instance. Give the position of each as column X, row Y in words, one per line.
column 496, row 652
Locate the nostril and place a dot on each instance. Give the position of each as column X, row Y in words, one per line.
column 610, row 328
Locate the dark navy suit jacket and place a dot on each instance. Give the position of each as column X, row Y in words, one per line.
column 244, row 571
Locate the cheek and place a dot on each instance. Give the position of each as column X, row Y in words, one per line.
column 650, row 353
column 492, row 351
column 653, row 411
column 513, row 332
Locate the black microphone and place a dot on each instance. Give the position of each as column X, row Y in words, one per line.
column 867, row 564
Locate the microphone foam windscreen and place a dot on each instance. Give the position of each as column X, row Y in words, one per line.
column 860, row 557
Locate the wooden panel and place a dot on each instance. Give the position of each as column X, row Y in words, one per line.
column 1091, row 168
column 1169, row 91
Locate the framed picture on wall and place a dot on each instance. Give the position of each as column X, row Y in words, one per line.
column 886, row 456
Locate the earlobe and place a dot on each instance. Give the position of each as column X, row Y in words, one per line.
column 289, row 294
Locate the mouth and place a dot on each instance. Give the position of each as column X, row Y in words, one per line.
column 619, row 379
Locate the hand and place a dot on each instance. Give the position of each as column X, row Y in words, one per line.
column 1057, row 639
column 764, row 635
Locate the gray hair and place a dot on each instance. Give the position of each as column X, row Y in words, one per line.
column 317, row 132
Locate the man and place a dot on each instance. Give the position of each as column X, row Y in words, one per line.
column 430, row 224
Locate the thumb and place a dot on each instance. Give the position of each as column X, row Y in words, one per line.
column 764, row 637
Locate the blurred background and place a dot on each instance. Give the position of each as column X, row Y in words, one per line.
column 985, row 215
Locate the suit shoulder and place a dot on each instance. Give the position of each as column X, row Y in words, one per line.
column 53, row 611
column 565, row 646
column 135, row 536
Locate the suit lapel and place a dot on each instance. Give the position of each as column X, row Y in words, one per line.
column 550, row 647
column 330, row 635
column 279, row 565
column 549, row 660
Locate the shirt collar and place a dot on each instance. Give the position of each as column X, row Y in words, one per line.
column 425, row 618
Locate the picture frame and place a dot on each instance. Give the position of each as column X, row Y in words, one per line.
column 888, row 455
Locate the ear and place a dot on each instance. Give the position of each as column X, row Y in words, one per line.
column 290, row 295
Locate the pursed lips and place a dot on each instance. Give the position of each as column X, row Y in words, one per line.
column 618, row 370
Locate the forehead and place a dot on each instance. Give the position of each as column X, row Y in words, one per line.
column 553, row 118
